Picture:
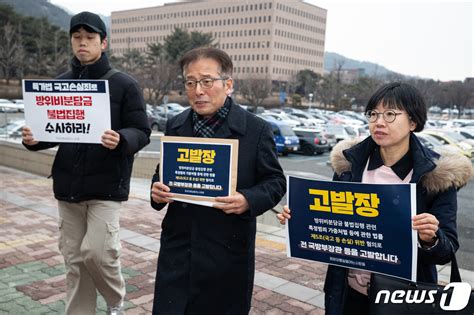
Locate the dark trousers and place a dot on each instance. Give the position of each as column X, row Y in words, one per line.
column 355, row 303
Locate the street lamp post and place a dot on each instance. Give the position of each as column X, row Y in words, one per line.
column 310, row 96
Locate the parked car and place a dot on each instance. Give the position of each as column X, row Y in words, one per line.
column 7, row 106
column 311, row 141
column 19, row 104
column 254, row 109
column 12, row 129
column 354, row 115
column 157, row 121
column 308, row 120
column 346, row 120
column 330, row 138
column 468, row 133
column 283, row 118
column 285, row 139
column 447, row 137
column 170, row 110
column 363, row 132
column 436, row 145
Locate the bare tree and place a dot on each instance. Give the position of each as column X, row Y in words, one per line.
column 58, row 59
column 40, row 43
column 337, row 74
column 255, row 91
column 159, row 74
column 325, row 91
column 8, row 49
column 459, row 94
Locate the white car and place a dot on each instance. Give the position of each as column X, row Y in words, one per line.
column 282, row 117
column 7, row 106
column 341, row 132
column 12, row 129
column 308, row 119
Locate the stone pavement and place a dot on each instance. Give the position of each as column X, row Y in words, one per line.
column 32, row 277
column 32, row 271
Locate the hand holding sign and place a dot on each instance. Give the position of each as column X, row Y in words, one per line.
column 236, row 204
column 427, row 225
column 160, row 193
column 27, row 136
column 285, row 215
column 110, row 139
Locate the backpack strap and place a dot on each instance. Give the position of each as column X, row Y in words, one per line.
column 109, row 74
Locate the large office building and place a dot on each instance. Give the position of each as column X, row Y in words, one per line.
column 265, row 38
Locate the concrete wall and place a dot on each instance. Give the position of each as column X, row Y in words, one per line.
column 15, row 155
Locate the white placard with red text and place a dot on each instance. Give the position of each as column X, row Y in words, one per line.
column 67, row 110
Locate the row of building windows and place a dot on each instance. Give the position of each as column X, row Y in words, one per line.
column 227, row 46
column 151, row 39
column 244, row 45
column 253, row 57
column 124, row 50
column 300, row 13
column 281, row 71
column 295, row 61
column 196, row 12
column 284, row 71
column 242, row 33
column 250, row 70
column 299, row 37
column 297, row 49
column 299, row 25
column 248, row 58
column 199, row 24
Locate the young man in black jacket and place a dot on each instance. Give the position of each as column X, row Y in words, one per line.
column 91, row 180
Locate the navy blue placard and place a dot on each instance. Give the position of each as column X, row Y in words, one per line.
column 187, row 168
column 360, row 226
column 65, row 86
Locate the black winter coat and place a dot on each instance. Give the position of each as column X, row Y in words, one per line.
column 437, row 178
column 207, row 258
column 90, row 171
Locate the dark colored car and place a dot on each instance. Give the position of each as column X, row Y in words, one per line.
column 285, row 139
column 157, row 122
column 311, row 141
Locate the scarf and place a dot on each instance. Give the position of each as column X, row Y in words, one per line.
column 206, row 128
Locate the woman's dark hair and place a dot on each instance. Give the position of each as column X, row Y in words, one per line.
column 208, row 52
column 397, row 95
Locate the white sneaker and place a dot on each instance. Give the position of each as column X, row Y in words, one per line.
column 115, row 309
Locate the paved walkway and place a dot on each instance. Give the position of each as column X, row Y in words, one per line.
column 32, row 271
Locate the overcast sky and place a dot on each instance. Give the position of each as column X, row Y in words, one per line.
column 429, row 39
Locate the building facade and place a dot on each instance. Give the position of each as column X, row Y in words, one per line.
column 271, row 39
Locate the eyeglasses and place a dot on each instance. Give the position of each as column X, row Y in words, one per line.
column 388, row 115
column 206, row 83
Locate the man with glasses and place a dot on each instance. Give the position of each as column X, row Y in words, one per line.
column 207, row 256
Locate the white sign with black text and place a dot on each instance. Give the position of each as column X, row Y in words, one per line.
column 67, row 110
